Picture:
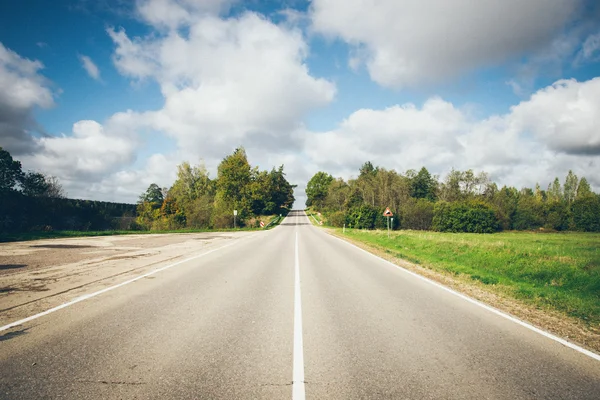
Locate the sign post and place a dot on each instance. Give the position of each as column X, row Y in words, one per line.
column 388, row 213
column 234, row 215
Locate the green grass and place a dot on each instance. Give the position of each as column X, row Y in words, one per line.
column 559, row 271
column 273, row 221
column 314, row 217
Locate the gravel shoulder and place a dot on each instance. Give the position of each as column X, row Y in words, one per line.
column 41, row 274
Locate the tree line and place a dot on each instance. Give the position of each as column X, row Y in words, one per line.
column 33, row 201
column 462, row 202
column 197, row 201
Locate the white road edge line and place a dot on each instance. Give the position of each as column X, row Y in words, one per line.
column 108, row 289
column 487, row 307
column 298, row 392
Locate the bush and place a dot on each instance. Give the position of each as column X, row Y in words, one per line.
column 336, row 218
column 528, row 215
column 199, row 212
column 586, row 214
column 221, row 221
column 417, row 214
column 472, row 216
column 363, row 217
column 558, row 216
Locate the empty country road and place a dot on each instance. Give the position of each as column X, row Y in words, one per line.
column 287, row 313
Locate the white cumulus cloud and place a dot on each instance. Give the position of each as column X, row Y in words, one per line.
column 564, row 116
column 413, row 42
column 85, row 156
column 227, row 82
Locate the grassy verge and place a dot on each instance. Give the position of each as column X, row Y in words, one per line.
column 314, row 217
column 553, row 271
column 273, row 221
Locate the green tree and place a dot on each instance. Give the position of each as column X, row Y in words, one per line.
column 233, row 181
column 152, row 195
column 584, row 190
column 337, row 195
column 451, row 188
column 194, row 192
column 191, row 182
column 505, row 203
column 233, row 189
column 10, row 171
column 529, row 213
column 35, row 184
column 367, row 169
column 586, row 213
column 555, row 192
column 570, row 187
column 281, row 191
column 271, row 192
column 317, row 189
column 200, row 211
column 149, row 205
column 558, row 215
column 540, row 195
column 172, row 215
column 423, row 185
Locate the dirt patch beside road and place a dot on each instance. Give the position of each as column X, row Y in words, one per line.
column 38, row 275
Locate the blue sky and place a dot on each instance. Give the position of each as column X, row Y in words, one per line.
column 316, row 85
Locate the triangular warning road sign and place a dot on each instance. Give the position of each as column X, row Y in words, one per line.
column 388, row 213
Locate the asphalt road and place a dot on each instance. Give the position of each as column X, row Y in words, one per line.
column 229, row 325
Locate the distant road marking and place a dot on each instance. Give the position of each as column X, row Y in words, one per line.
column 480, row 304
column 298, row 392
column 108, row 289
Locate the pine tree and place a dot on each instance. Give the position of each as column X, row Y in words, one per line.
column 555, row 191
column 584, row 190
column 570, row 187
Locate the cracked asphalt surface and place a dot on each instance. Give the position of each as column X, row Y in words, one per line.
column 221, row 327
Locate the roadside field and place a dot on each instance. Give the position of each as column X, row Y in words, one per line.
column 551, row 271
column 314, row 217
